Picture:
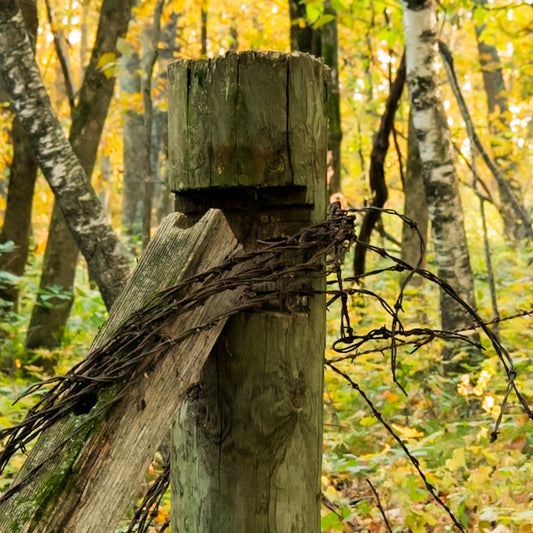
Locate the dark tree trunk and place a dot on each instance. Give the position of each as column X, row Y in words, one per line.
column 304, row 37
column 87, row 124
column 54, row 300
column 17, row 218
column 377, row 182
column 498, row 109
column 22, row 176
column 322, row 42
column 330, row 48
column 203, row 29
column 415, row 204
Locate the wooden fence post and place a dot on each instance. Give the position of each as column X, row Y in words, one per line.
column 247, row 134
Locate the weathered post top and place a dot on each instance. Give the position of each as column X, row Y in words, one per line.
column 244, row 126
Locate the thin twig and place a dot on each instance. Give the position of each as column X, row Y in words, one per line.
column 414, row 461
column 380, row 507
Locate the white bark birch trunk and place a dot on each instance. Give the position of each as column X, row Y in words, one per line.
column 440, row 180
column 81, row 208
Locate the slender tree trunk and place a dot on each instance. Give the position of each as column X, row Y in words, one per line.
column 47, row 323
column 54, row 299
column 415, row 204
column 163, row 198
column 149, row 170
column 330, row 49
column 376, row 177
column 84, row 47
column 134, row 149
column 203, row 28
column 22, row 176
column 134, row 154
column 304, row 37
column 440, row 180
column 324, row 43
column 498, row 109
column 80, row 207
column 17, row 218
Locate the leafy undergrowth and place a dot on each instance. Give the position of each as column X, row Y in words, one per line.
column 21, row 368
column 445, row 420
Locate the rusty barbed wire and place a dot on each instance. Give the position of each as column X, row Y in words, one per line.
column 286, row 264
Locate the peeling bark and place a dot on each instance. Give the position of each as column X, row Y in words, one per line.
column 440, row 180
column 88, row 118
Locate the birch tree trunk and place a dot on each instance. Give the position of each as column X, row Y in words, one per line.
column 61, row 167
column 415, row 205
column 440, row 180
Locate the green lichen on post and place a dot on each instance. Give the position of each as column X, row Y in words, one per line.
column 56, row 484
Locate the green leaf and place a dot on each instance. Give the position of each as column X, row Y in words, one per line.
column 314, row 10
column 338, row 5
column 7, row 247
column 323, row 19
column 7, row 279
column 124, row 46
column 368, row 421
column 331, row 521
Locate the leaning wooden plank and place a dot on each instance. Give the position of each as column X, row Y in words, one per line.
column 87, row 486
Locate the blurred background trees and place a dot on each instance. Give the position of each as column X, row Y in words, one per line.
column 362, row 42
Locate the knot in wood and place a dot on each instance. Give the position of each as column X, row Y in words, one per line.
column 274, row 165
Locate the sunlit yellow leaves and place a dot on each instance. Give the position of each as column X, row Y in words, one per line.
column 489, row 405
column 457, row 460
column 369, row 456
column 407, row 432
column 107, row 63
column 464, row 388
column 482, row 382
